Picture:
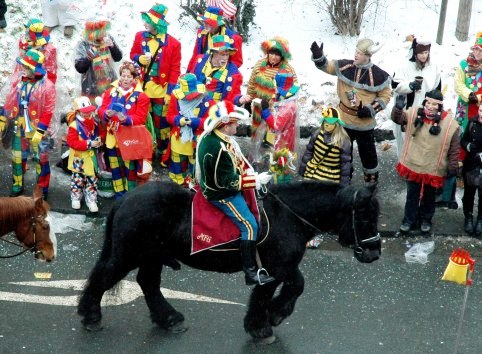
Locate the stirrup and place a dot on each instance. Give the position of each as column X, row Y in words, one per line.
column 264, row 271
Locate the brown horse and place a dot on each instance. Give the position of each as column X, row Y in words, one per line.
column 28, row 217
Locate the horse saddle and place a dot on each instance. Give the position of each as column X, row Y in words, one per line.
column 210, row 227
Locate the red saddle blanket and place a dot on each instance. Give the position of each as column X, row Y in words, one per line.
column 210, row 226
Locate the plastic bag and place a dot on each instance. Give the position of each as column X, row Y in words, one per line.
column 419, row 252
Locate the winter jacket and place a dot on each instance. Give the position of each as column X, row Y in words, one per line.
column 471, row 142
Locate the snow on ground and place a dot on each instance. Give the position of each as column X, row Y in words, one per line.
column 300, row 21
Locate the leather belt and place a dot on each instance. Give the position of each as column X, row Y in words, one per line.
column 348, row 110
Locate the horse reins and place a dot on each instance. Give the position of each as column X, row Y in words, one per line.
column 32, row 249
column 358, row 248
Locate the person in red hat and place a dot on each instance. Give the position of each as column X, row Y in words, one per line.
column 468, row 84
column 214, row 24
column 188, row 109
column 83, row 138
column 37, row 37
column 159, row 55
column 30, row 103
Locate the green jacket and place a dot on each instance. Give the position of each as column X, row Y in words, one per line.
column 222, row 167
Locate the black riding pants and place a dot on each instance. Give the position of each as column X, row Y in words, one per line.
column 468, row 199
column 365, row 140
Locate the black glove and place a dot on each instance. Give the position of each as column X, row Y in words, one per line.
column 264, row 104
column 473, row 98
column 363, row 112
column 400, row 101
column 451, row 173
column 415, row 86
column 316, row 50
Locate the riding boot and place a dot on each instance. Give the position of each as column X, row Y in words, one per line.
column 469, row 223
column 248, row 258
column 478, row 227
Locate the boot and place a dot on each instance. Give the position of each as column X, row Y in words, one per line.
column 478, row 227
column 469, row 223
column 371, row 178
column 248, row 258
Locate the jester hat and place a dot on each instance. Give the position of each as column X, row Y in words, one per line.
column 37, row 32
column 279, row 44
column 188, row 87
column 285, row 85
column 213, row 16
column 223, row 43
column 156, row 17
column 33, row 60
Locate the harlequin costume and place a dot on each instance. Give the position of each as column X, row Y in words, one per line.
column 467, row 80
column 94, row 59
column 222, row 82
column 135, row 104
column 188, row 109
column 82, row 157
column 161, row 75
column 326, row 159
column 213, row 17
column 429, row 155
column 222, row 173
column 38, row 37
column 366, row 86
column 31, row 103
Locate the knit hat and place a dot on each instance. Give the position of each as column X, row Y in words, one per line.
column 285, row 85
column 83, row 104
column 331, row 116
column 188, row 87
column 478, row 40
column 213, row 16
column 33, row 60
column 37, row 32
column 434, row 95
column 156, row 17
column 279, row 44
column 95, row 30
column 222, row 43
column 222, row 113
column 367, row 46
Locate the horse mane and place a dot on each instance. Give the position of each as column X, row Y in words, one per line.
column 16, row 209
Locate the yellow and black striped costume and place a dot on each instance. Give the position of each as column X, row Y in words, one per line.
column 323, row 161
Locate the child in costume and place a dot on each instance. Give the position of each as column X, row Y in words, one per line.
column 328, row 154
column 83, row 138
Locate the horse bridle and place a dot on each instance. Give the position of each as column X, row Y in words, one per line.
column 32, row 249
column 359, row 250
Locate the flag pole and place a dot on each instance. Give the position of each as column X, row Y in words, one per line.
column 464, row 305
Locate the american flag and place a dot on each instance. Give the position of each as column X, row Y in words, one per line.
column 228, row 8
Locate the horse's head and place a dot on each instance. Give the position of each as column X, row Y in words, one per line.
column 359, row 222
column 35, row 232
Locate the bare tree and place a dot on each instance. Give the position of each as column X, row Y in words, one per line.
column 346, row 15
column 463, row 20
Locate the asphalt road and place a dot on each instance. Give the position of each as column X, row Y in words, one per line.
column 389, row 306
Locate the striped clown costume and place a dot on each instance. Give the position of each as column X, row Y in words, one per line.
column 159, row 55
column 222, row 79
column 188, row 110
column 30, row 103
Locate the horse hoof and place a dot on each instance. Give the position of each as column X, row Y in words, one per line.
column 178, row 328
column 93, row 327
column 265, row 341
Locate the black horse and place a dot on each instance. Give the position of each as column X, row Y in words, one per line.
column 150, row 227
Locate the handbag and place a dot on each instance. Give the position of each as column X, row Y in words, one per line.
column 135, row 142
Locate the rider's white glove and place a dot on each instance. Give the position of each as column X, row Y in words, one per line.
column 262, row 179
